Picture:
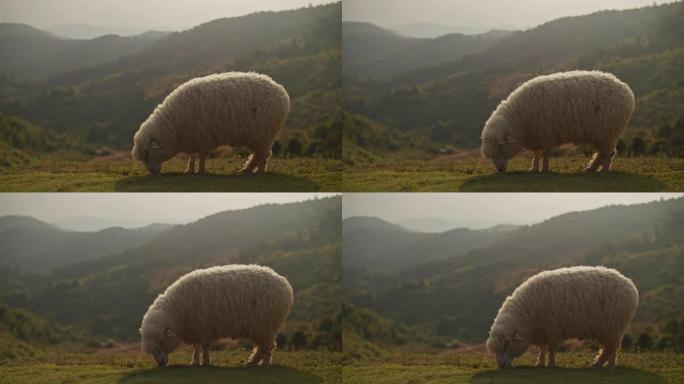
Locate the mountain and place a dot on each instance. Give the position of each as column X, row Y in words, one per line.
column 107, row 296
column 32, row 53
column 90, row 223
column 374, row 245
column 448, row 103
column 106, row 103
column 432, row 30
column 88, row 31
column 30, row 245
column 458, row 297
column 373, row 52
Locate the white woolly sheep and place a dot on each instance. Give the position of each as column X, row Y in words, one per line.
column 232, row 301
column 236, row 109
column 552, row 306
column 580, row 107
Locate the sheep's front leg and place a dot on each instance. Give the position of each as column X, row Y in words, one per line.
column 205, row 355
column 195, row 355
column 536, row 154
column 190, row 169
column 541, row 358
column 202, row 163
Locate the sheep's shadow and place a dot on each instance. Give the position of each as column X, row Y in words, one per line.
column 213, row 374
column 565, row 182
column 179, row 182
column 567, row 375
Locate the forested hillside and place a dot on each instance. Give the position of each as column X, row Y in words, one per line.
column 105, row 296
column 448, row 103
column 104, row 104
column 458, row 297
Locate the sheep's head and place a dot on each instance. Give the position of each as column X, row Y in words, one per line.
column 506, row 346
column 153, row 152
column 160, row 343
column 498, row 144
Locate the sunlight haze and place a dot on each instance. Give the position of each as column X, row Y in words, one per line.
column 137, row 15
column 476, row 15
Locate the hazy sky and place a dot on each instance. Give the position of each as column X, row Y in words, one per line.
column 478, row 208
column 145, row 208
column 144, row 14
column 476, row 13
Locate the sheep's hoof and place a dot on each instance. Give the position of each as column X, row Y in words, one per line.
column 246, row 171
column 539, row 365
column 533, row 170
column 189, row 171
column 194, row 364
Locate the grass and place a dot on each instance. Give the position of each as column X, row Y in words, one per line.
column 125, row 175
column 472, row 174
column 130, row 366
column 477, row 367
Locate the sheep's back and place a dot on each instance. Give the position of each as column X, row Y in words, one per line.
column 579, row 302
column 225, row 109
column 229, row 301
column 579, row 107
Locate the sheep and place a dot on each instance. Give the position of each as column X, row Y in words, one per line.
column 578, row 302
column 580, row 107
column 231, row 301
column 233, row 108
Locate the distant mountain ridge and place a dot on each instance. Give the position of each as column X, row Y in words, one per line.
column 375, row 245
column 32, row 53
column 30, row 245
column 370, row 51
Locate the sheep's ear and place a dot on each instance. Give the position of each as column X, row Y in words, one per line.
column 154, row 145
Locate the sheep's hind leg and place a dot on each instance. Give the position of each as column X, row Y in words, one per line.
column 190, row 169
column 262, row 161
column 535, row 161
column 541, row 358
column 202, row 163
column 268, row 351
column 256, row 356
column 607, row 161
column 195, row 355
column 250, row 165
column 595, row 162
column 545, row 166
column 552, row 356
column 205, row 355
column 601, row 358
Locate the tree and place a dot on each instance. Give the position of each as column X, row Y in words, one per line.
column 637, row 147
column 277, row 149
column 645, row 342
column 281, row 341
column 672, row 327
column 294, row 147
column 299, row 340
column 627, row 342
